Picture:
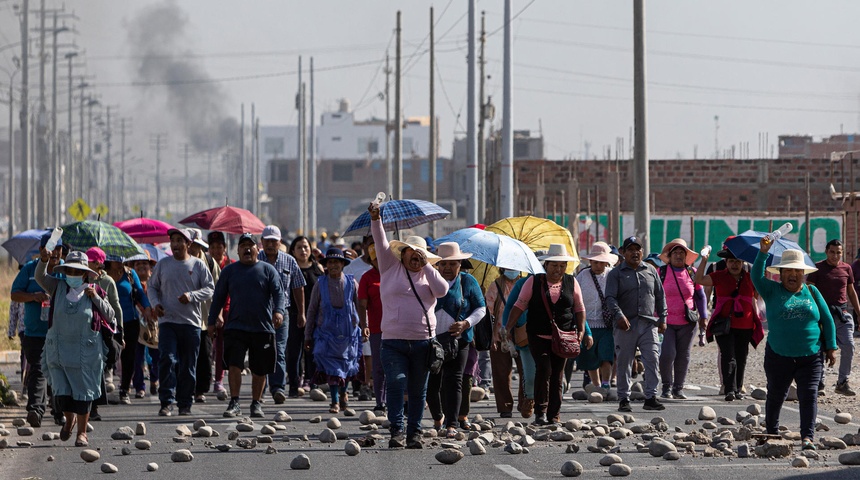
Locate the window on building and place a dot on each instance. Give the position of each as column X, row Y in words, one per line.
column 273, row 146
column 368, row 146
column 279, row 172
column 425, row 171
column 341, row 172
column 521, row 149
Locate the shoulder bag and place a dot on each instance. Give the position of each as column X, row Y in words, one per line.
column 607, row 315
column 484, row 329
column 435, row 353
column 690, row 314
column 565, row 344
column 723, row 325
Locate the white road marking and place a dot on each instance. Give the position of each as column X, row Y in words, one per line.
column 513, row 472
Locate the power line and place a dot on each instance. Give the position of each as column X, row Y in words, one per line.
column 448, row 99
column 514, row 17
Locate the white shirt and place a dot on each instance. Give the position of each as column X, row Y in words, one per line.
column 590, row 297
column 444, row 321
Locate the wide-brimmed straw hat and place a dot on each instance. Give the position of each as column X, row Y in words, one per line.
column 601, row 252
column 678, row 243
column 413, row 242
column 451, row 251
column 792, row 259
column 76, row 260
column 557, row 253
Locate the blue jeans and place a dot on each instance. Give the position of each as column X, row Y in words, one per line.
column 278, row 378
column 405, row 365
column 177, row 367
column 780, row 371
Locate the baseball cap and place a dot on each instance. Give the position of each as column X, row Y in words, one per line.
column 271, row 232
column 182, row 231
column 197, row 237
column 247, row 237
column 216, row 237
column 634, row 240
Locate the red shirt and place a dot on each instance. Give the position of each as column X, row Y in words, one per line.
column 832, row 281
column 724, row 286
column 368, row 289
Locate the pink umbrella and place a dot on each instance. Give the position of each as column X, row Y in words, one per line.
column 145, row 230
column 226, row 219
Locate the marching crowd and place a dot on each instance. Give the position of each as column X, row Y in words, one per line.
column 411, row 328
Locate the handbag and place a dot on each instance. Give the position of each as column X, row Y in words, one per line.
column 565, row 344
column 691, row 315
column 721, row 326
column 435, row 352
column 148, row 334
column 484, row 329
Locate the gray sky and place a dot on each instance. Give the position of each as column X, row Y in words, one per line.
column 781, row 67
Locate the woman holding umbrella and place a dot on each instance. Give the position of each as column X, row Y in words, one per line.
column 799, row 327
column 409, row 286
column 456, row 313
column 74, row 350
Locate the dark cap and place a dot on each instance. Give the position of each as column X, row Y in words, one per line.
column 726, row 253
column 335, row 253
column 247, row 237
column 216, row 237
column 655, row 259
column 634, row 240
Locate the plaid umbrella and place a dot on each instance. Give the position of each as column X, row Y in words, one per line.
column 90, row 233
column 398, row 215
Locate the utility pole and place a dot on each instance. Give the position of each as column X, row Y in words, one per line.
column 187, row 178
column 641, row 194
column 313, row 162
column 25, row 116
column 89, row 166
column 157, row 147
column 482, row 115
column 389, row 187
column 303, row 142
column 432, row 172
column 122, row 133
column 13, row 214
column 256, row 190
column 43, row 176
column 240, row 164
column 109, row 169
column 299, row 159
column 80, row 171
column 69, row 189
column 56, row 167
column 250, row 203
column 471, row 124
column 507, row 170
column 398, row 121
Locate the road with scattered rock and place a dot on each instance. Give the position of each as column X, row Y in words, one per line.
column 206, row 445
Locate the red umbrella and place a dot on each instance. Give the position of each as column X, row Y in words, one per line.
column 226, row 219
column 145, row 230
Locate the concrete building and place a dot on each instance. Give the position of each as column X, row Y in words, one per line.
column 351, row 167
column 806, row 146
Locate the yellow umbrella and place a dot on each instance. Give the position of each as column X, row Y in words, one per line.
column 537, row 233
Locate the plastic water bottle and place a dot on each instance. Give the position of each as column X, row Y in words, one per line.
column 380, row 197
column 778, row 233
column 705, row 251
column 55, row 238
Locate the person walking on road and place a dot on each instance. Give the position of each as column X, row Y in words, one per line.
column 835, row 281
column 799, row 328
column 597, row 361
column 218, row 251
column 198, row 248
column 179, row 285
column 634, row 294
column 256, row 297
column 501, row 361
column 409, row 286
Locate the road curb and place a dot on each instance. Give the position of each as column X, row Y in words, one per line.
column 8, row 357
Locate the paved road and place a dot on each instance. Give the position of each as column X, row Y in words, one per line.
column 329, row 460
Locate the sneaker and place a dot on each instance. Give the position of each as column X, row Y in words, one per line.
column 414, row 442
column 123, row 398
column 185, row 411
column 679, row 395
column 200, row 398
column 256, row 409
column 397, row 440
column 94, row 414
column 540, row 419
column 730, row 397
column 739, row 396
column 293, row 394
column 505, row 414
column 165, row 411
column 34, row 419
column 140, row 394
column 843, row 388
column 624, row 406
column 279, row 397
column 821, row 392
column 666, row 392
column 380, row 408
column 613, row 383
column 653, row 404
column 233, row 409
column 153, row 388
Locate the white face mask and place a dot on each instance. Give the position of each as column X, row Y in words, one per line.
column 512, row 274
column 75, row 282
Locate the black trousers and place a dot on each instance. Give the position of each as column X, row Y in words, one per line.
column 445, row 389
column 130, row 332
column 734, row 349
column 36, row 382
column 204, row 364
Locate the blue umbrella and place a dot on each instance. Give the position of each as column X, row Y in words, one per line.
column 399, row 215
column 746, row 247
column 497, row 250
column 25, row 245
column 155, row 253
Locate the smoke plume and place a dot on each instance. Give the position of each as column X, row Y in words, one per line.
column 157, row 39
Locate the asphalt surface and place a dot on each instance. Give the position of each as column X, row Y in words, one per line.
column 329, row 460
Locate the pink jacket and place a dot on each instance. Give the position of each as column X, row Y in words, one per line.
column 402, row 317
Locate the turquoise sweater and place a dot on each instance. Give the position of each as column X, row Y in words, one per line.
column 795, row 321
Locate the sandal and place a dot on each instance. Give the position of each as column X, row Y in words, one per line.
column 451, row 433
column 465, row 424
column 65, row 435
column 81, row 440
column 334, row 408
column 808, row 445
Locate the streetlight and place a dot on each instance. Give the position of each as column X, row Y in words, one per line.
column 11, row 204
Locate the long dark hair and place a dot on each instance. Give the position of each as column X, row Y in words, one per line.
column 296, row 241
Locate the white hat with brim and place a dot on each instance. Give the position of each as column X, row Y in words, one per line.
column 557, row 253
column 414, row 242
column 600, row 252
column 451, row 251
column 76, row 260
column 678, row 243
column 792, row 259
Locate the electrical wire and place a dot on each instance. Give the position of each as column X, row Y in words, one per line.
column 513, row 17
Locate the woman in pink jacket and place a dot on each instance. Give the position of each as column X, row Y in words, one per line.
column 409, row 287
